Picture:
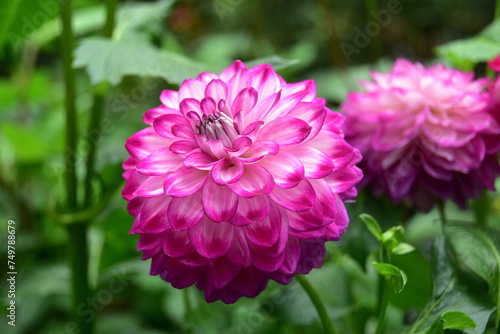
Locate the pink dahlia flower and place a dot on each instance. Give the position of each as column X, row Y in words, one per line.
column 240, row 178
column 425, row 134
column 495, row 64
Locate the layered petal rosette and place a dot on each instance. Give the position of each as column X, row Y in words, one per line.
column 425, row 134
column 240, row 178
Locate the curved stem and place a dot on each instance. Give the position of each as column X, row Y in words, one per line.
column 318, row 304
column 442, row 212
column 187, row 305
column 383, row 296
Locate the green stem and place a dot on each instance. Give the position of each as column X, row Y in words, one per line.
column 78, row 253
column 318, row 304
column 442, row 211
column 94, row 132
column 383, row 295
column 481, row 207
column 71, row 128
column 187, row 305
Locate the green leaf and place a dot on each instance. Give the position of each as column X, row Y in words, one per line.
column 106, row 60
column 457, row 320
column 450, row 293
column 464, row 53
column 480, row 251
column 372, row 225
column 137, row 21
column 392, row 273
column 393, row 237
column 403, row 248
column 275, row 61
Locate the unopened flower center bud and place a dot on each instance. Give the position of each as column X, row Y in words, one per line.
column 218, row 126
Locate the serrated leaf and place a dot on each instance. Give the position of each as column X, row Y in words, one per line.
column 393, row 237
column 480, row 251
column 402, row 248
column 106, row 60
column 275, row 61
column 449, row 293
column 392, row 273
column 372, row 225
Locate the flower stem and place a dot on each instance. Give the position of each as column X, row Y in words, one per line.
column 383, row 296
column 442, row 211
column 318, row 304
column 187, row 305
column 69, row 104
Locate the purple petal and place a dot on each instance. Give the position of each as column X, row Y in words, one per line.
column 145, row 142
column 312, row 113
column 239, row 253
column 154, row 215
column 221, row 272
column 133, row 181
column 163, row 124
column 255, row 180
column 210, row 239
column 159, row 162
column 259, row 150
column 190, row 105
column 151, row 187
column 217, row 90
column 285, row 168
column 183, row 146
column 184, row 182
column 200, row 160
column 285, row 131
column 226, row 171
column 298, row 198
column 316, row 163
column 219, row 202
column 265, row 232
column 250, row 210
column 244, row 101
column 175, row 243
column 185, row 212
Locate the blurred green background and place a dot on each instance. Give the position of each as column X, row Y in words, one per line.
column 310, row 38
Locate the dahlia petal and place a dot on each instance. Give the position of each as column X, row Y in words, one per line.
column 178, row 274
column 219, row 202
column 286, row 103
column 263, row 106
column 157, row 263
column 147, row 241
column 154, row 215
column 239, row 253
column 199, row 160
column 221, row 272
column 159, row 162
column 249, row 281
column 244, row 101
column 208, row 105
column 259, row 150
column 217, row 90
column 312, row 113
column 151, row 114
column 184, row 182
column 312, row 255
column 233, row 70
column 299, row 198
column 145, row 142
column 268, row 263
column 210, row 239
column 292, row 256
column 264, row 80
column 237, row 83
column 285, row 131
column 175, row 243
column 190, row 105
column 151, row 187
column 250, row 210
column 183, row 146
column 130, row 163
column 183, row 131
column 255, row 180
column 495, row 64
column 344, row 179
column 265, row 232
column 163, row 124
column 170, row 98
column 134, row 181
column 192, row 88
column 286, row 169
column 226, row 171
column 185, row 212
column 332, row 144
column 316, row 163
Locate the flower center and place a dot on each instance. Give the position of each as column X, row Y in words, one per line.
column 218, row 126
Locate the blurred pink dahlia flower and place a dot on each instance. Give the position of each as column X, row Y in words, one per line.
column 425, row 134
column 240, row 178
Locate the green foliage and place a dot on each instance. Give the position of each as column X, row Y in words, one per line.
column 450, row 293
column 465, row 54
column 478, row 249
column 393, row 274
